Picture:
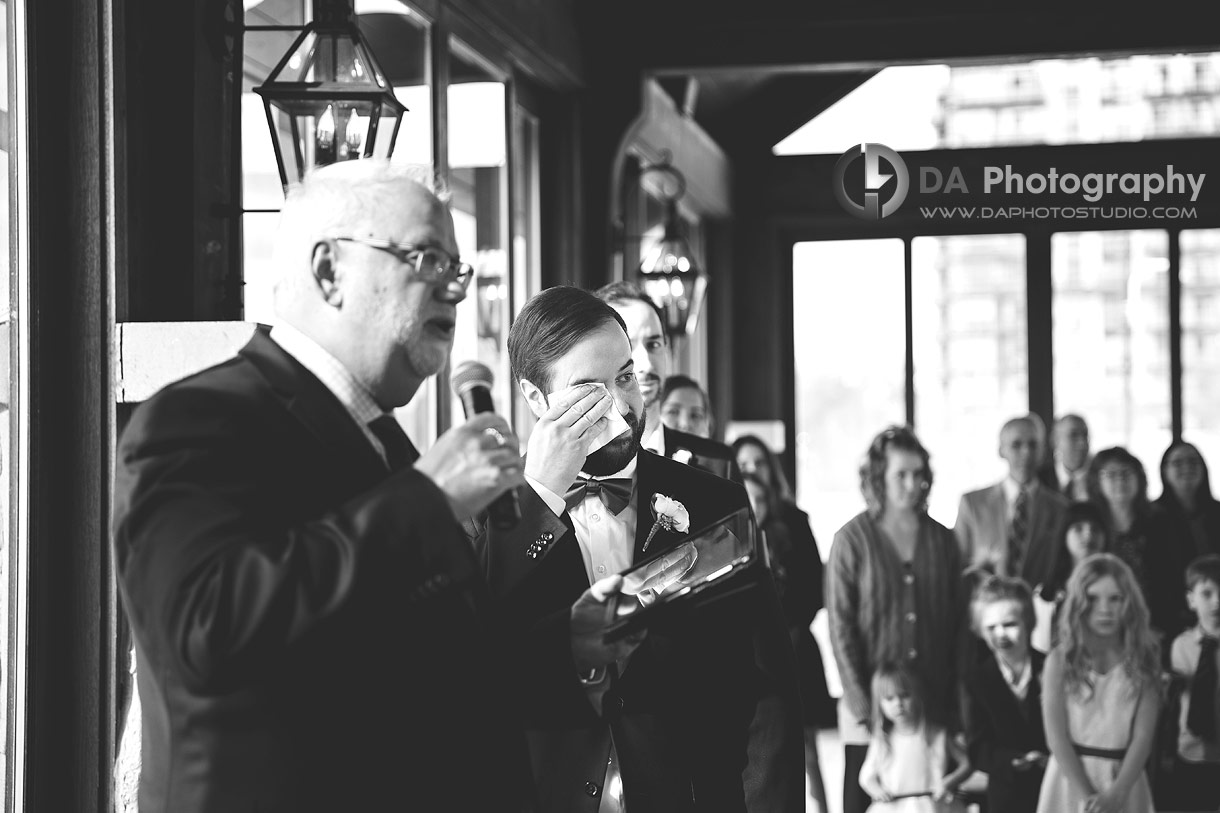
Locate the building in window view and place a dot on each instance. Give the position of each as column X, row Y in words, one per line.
column 1080, row 101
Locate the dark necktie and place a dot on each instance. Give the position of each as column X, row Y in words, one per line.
column 615, row 492
column 1018, row 533
column 399, row 451
column 1201, row 719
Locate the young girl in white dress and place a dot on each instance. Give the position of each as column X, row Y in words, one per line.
column 904, row 770
column 1100, row 695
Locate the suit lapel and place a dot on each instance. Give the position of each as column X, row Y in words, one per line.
column 707, row 498
column 999, row 516
column 315, row 407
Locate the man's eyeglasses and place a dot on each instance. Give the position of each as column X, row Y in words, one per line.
column 430, row 264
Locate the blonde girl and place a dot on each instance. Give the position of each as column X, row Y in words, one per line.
column 905, row 768
column 1100, row 695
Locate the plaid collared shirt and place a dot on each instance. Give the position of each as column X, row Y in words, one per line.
column 334, row 376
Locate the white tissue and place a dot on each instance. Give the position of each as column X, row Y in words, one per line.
column 618, row 424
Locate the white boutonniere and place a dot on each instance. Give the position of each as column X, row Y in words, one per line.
column 670, row 515
column 683, row 456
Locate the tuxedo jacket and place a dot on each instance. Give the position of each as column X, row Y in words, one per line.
column 682, row 712
column 999, row 727
column 309, row 627
column 982, row 532
column 707, row 454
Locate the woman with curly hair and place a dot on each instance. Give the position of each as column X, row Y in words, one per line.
column 894, row 595
column 1101, row 695
column 1118, row 485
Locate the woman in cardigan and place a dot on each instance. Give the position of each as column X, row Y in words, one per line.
column 894, row 595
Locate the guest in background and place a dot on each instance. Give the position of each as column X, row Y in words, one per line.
column 796, row 568
column 685, row 407
column 1009, row 528
column 893, row 587
column 1067, row 470
column 1195, row 659
column 1100, row 695
column 1004, row 699
column 907, row 766
column 651, row 356
column 1192, row 514
column 755, row 457
column 1118, row 484
column 1084, row 533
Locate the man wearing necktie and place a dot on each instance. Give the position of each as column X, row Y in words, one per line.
column 666, row 727
column 1011, row 528
column 311, row 625
column 1067, row 470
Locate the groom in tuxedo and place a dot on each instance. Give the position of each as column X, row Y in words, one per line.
column 667, row 727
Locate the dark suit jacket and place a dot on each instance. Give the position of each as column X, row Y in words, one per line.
column 707, row 454
column 681, row 712
column 308, row 626
column 999, row 728
column 982, row 532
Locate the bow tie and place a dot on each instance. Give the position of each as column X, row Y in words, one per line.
column 615, row 492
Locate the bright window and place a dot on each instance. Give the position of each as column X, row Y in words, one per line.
column 1200, row 275
column 969, row 328
column 1046, row 101
column 849, row 334
column 1111, row 339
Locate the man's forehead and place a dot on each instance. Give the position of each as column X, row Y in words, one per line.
column 641, row 319
column 598, row 356
column 1020, row 433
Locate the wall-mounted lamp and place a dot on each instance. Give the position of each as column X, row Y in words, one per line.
column 328, row 100
column 669, row 273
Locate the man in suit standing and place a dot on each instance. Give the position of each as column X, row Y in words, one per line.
column 667, row 729
column 308, row 615
column 650, row 350
column 1010, row 528
column 1067, row 470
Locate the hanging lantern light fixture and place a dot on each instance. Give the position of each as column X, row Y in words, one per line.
column 328, row 99
column 669, row 273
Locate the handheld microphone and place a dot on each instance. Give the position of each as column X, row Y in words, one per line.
column 471, row 382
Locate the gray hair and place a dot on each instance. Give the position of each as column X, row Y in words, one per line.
column 340, row 198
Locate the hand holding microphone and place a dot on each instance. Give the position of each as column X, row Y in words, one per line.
column 472, row 384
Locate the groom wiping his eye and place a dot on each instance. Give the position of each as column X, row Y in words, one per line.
column 659, row 722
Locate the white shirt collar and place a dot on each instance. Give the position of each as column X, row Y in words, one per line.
column 1017, row 684
column 1011, row 488
column 655, row 441
column 357, row 400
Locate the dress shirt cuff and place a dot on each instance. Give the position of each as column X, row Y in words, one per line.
column 553, row 501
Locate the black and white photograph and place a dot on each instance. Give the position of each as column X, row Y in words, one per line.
column 561, row 406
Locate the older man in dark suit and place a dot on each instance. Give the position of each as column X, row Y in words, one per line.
column 307, row 612
column 669, row 727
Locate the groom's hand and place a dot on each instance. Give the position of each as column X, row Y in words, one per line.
column 559, row 442
column 591, row 615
